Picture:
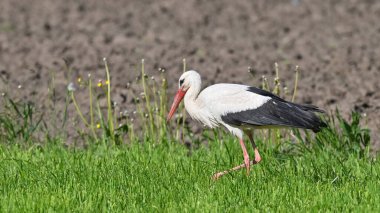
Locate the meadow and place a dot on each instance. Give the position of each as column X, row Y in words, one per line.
column 142, row 167
column 144, row 177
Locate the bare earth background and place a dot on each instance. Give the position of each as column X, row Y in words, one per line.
column 337, row 46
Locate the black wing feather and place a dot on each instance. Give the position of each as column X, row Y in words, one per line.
column 277, row 112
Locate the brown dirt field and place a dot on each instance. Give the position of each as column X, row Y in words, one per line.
column 336, row 44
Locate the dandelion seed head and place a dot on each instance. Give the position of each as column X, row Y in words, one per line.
column 19, row 86
column 71, row 87
column 104, row 59
column 297, row 68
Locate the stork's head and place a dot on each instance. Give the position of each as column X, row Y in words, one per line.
column 186, row 81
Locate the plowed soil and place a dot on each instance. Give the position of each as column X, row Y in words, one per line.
column 336, row 44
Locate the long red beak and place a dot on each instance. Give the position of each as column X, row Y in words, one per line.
column 177, row 99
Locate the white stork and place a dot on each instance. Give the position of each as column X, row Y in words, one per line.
column 240, row 109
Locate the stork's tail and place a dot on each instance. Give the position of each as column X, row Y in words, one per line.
column 316, row 123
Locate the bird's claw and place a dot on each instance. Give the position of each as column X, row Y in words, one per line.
column 216, row 176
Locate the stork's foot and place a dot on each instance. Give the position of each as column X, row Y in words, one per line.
column 217, row 175
column 247, row 163
column 257, row 156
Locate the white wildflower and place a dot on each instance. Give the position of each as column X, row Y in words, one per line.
column 71, row 87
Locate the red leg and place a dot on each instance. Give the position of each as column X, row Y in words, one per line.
column 247, row 163
column 246, row 156
column 257, row 154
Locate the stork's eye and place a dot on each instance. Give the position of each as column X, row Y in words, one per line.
column 181, row 82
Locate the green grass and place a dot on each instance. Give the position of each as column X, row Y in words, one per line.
column 150, row 177
column 142, row 167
